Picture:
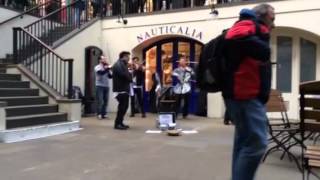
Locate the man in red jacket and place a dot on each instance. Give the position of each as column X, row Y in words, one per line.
column 247, row 85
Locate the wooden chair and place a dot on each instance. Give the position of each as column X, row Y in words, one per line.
column 310, row 123
column 283, row 133
column 276, row 104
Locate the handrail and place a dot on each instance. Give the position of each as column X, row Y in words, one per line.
column 43, row 44
column 43, row 62
column 28, row 11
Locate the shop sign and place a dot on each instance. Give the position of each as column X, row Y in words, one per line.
column 172, row 29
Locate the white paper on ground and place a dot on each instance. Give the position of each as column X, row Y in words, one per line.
column 190, row 132
column 153, row 132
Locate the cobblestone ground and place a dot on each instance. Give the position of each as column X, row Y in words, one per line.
column 100, row 153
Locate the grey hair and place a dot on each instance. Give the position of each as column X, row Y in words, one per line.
column 262, row 10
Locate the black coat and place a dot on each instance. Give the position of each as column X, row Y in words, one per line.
column 121, row 77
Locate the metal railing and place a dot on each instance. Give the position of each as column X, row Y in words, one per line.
column 123, row 7
column 59, row 23
column 37, row 10
column 42, row 61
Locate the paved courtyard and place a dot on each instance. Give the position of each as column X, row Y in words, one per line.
column 100, row 153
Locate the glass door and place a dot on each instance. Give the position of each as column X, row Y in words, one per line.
column 161, row 59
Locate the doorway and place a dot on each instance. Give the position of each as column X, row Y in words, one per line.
column 162, row 58
column 92, row 54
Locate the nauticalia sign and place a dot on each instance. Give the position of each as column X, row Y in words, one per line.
column 173, row 29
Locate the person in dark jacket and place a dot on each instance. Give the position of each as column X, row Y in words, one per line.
column 247, row 86
column 97, row 7
column 121, row 87
column 80, row 6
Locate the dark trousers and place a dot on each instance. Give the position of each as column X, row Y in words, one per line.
column 116, row 7
column 135, row 6
column 199, row 2
column 157, row 4
column 222, row 1
column 177, row 4
column 102, row 95
column 185, row 98
column 123, row 100
column 137, row 95
column 141, row 5
column 96, row 9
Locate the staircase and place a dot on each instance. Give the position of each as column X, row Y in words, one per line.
column 37, row 97
column 29, row 115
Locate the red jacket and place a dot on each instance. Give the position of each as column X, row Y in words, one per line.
column 248, row 62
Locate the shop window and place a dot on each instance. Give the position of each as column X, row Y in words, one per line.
column 308, row 55
column 284, row 66
column 184, row 50
column 198, row 52
column 166, row 62
column 151, row 67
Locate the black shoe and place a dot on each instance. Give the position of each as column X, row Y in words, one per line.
column 120, row 127
column 132, row 115
column 143, row 115
column 226, row 122
column 105, row 117
column 126, row 126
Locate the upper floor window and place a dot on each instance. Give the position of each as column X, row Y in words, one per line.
column 308, row 56
column 284, row 66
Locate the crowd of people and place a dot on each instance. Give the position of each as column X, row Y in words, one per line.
column 117, row 7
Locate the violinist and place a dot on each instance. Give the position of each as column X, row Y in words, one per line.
column 103, row 74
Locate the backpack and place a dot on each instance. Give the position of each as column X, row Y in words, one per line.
column 211, row 66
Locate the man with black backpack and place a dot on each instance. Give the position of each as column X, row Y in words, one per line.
column 246, row 86
column 237, row 62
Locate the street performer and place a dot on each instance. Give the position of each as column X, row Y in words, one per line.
column 183, row 75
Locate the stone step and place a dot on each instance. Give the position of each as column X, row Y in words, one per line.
column 31, row 109
column 3, row 70
column 33, row 120
column 14, row 84
column 25, row 100
column 11, row 77
column 14, row 92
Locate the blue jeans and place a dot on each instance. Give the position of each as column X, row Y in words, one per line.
column 102, row 94
column 250, row 140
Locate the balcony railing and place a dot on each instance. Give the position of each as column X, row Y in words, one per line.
column 59, row 23
column 38, row 10
column 122, row 7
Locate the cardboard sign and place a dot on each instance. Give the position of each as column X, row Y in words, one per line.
column 166, row 119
